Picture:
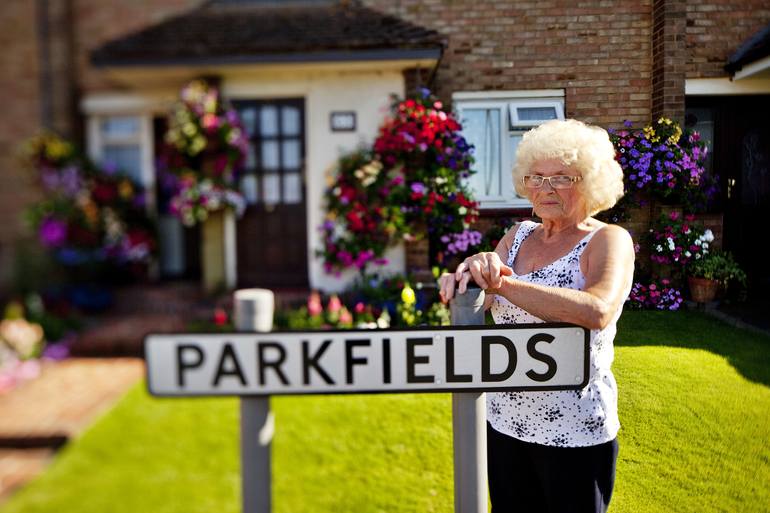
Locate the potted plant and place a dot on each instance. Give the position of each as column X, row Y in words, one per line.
column 716, row 269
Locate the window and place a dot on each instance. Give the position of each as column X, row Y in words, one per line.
column 123, row 143
column 494, row 122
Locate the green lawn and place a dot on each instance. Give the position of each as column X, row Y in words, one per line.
column 695, row 409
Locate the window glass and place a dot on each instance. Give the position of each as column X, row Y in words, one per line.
column 481, row 128
column 268, row 121
column 291, row 154
column 290, row 120
column 272, row 188
column 251, row 156
column 120, row 126
column 292, row 188
column 250, row 189
column 270, row 158
column 249, row 119
column 535, row 113
column 125, row 158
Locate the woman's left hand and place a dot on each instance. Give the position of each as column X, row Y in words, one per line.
column 486, row 269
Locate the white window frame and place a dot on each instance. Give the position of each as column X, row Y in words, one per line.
column 506, row 103
column 96, row 141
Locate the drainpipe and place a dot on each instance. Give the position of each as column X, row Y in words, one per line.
column 44, row 57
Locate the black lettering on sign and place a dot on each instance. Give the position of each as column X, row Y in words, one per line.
column 412, row 360
column 541, row 357
column 312, row 361
column 350, row 361
column 451, row 377
column 228, row 354
column 386, row 360
column 182, row 364
column 486, row 345
column 263, row 363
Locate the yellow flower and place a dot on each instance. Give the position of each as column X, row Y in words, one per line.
column 125, row 189
column 91, row 212
column 674, row 138
column 407, row 295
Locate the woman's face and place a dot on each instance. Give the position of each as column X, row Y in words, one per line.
column 550, row 203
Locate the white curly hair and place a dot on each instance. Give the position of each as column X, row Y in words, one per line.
column 584, row 147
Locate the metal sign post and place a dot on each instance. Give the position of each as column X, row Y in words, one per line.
column 469, row 419
column 254, row 312
column 466, row 359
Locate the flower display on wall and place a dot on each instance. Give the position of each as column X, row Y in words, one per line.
column 205, row 150
column 87, row 214
column 410, row 184
column 677, row 239
column 665, row 163
column 655, row 294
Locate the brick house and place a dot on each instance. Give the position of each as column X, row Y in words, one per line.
column 91, row 69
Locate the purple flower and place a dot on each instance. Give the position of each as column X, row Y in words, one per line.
column 418, row 188
column 53, row 233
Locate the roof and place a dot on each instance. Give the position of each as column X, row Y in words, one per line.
column 754, row 48
column 254, row 31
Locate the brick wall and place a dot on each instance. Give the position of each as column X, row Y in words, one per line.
column 598, row 52
column 19, row 87
column 99, row 21
column 669, row 56
column 35, row 97
column 716, row 28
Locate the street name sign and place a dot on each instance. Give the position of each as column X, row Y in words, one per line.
column 522, row 357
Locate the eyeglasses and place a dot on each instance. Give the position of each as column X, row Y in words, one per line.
column 556, row 181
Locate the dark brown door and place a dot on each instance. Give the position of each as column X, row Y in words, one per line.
column 741, row 158
column 272, row 237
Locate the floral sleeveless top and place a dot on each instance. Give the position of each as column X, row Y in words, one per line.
column 570, row 418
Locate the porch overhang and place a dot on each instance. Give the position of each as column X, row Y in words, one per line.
column 752, row 58
column 226, row 35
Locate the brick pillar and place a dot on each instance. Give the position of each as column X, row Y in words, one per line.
column 669, row 54
column 415, row 78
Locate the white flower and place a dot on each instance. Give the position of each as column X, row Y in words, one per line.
column 708, row 236
column 687, row 254
column 697, row 256
column 659, row 248
column 671, row 244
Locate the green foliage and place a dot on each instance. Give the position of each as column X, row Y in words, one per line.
column 719, row 266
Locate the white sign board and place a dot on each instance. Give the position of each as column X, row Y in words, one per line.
column 550, row 356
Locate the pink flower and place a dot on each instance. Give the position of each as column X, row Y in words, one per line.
column 334, row 304
column 314, row 306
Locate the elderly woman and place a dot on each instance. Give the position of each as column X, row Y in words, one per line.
column 555, row 451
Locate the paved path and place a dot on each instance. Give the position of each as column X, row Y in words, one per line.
column 42, row 414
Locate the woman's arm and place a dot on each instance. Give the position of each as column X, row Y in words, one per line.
column 608, row 265
column 448, row 282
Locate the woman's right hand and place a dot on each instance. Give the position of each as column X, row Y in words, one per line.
column 485, row 269
column 446, row 287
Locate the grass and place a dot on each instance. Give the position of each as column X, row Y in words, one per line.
column 694, row 403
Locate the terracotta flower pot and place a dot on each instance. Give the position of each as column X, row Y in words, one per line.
column 702, row 290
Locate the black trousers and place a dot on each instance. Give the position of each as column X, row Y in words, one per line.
column 526, row 477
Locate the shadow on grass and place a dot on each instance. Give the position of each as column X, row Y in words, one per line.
column 747, row 351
